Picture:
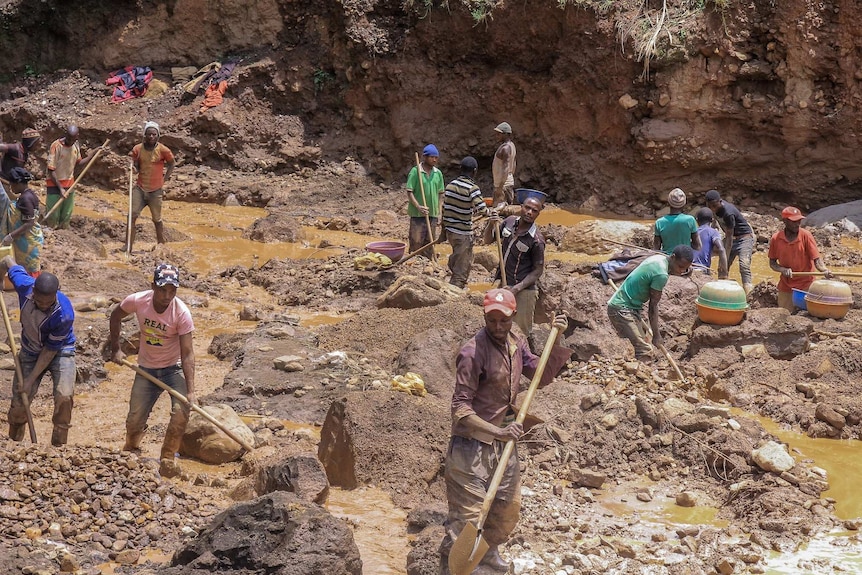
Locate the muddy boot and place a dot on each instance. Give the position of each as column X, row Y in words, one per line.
column 59, row 436
column 169, row 468
column 493, row 560
column 133, row 442
column 16, row 431
column 160, row 232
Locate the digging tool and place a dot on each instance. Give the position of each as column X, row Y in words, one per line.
column 660, row 347
column 424, row 203
column 185, row 400
column 25, row 399
column 75, row 183
column 129, row 220
column 469, row 548
column 694, row 265
column 833, row 272
column 415, row 253
column 500, row 255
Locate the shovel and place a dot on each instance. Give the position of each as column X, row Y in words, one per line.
column 500, row 255
column 193, row 406
column 75, row 183
column 469, row 548
column 25, row 399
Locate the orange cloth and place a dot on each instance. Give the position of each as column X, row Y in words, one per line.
column 213, row 95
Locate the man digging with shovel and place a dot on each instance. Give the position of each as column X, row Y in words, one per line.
column 487, row 381
column 166, row 353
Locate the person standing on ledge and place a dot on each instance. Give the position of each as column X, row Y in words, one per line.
column 154, row 163
column 793, row 249
column 504, row 165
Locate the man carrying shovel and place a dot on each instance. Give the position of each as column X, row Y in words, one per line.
column 47, row 345
column 425, row 185
column 63, row 157
column 166, row 353
column 487, row 382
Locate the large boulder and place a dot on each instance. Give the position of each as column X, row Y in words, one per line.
column 409, row 292
column 204, row 441
column 783, row 335
column 401, row 452
column 301, row 474
column 276, row 227
column 276, row 534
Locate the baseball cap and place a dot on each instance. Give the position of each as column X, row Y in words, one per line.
column 792, row 214
column 503, row 128
column 430, row 150
column 676, row 198
column 713, row 196
column 166, row 274
column 19, row 175
column 500, row 300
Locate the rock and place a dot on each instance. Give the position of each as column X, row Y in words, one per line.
column 250, row 312
column 7, row 364
column 128, row 557
column 772, row 457
column 591, row 400
column 426, row 516
column 646, row 412
column 609, row 421
column 686, row 499
column 586, row 478
column 826, row 413
column 302, row 475
column 726, row 566
column 288, row 363
column 753, row 350
column 673, row 407
column 231, row 201
column 853, row 524
column 204, row 441
column 287, row 531
column 714, row 411
column 783, row 335
column 69, row 563
column 822, row 369
column 276, row 227
column 410, row 292
column 627, row 102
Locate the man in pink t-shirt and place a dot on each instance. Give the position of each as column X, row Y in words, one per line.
column 166, row 353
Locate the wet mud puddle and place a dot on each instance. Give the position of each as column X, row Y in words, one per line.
column 379, row 526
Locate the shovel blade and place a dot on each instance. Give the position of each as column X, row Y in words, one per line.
column 467, row 550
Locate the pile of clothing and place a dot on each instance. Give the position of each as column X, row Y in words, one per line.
column 129, row 82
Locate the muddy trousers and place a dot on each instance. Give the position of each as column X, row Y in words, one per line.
column 526, row 300
column 470, row 465
column 143, row 398
column 628, row 324
column 419, row 235
column 785, row 300
column 461, row 259
column 743, row 248
column 63, row 373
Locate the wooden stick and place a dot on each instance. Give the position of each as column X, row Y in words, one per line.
column 193, row 406
column 129, row 220
column 424, row 202
column 694, row 265
column 500, row 254
column 833, row 272
column 419, row 251
column 75, row 183
column 25, row 399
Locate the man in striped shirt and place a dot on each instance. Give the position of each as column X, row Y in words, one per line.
column 461, row 197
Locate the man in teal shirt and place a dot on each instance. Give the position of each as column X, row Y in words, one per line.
column 675, row 228
column 643, row 285
column 419, row 205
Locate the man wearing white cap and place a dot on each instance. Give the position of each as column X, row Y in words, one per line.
column 154, row 163
column 676, row 228
column 503, row 167
column 487, row 380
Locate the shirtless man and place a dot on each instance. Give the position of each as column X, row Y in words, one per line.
column 503, row 167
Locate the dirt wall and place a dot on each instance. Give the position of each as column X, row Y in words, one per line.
column 760, row 100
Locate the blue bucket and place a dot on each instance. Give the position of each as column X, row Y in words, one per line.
column 799, row 299
column 521, row 195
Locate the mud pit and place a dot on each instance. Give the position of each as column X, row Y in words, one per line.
column 649, row 441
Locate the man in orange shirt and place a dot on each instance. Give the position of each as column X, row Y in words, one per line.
column 63, row 157
column 154, row 163
column 793, row 249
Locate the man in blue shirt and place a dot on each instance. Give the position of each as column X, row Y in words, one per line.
column 47, row 345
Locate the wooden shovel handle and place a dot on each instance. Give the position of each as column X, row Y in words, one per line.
column 25, row 399
column 78, row 179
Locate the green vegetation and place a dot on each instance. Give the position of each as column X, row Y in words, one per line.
column 321, row 79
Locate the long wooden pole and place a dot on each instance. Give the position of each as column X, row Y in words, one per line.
column 424, row 202
column 500, row 255
column 833, row 272
column 25, row 399
column 193, row 406
column 75, row 183
column 129, row 220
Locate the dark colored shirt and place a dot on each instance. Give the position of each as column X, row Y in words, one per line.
column 51, row 329
column 732, row 220
column 15, row 156
column 522, row 252
column 28, row 205
column 488, row 377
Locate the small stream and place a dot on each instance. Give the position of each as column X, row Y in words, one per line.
column 380, row 527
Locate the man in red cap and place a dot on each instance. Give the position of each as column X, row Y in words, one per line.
column 793, row 249
column 487, row 381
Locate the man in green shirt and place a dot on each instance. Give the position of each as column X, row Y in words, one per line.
column 676, row 228
column 419, row 206
column 643, row 285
